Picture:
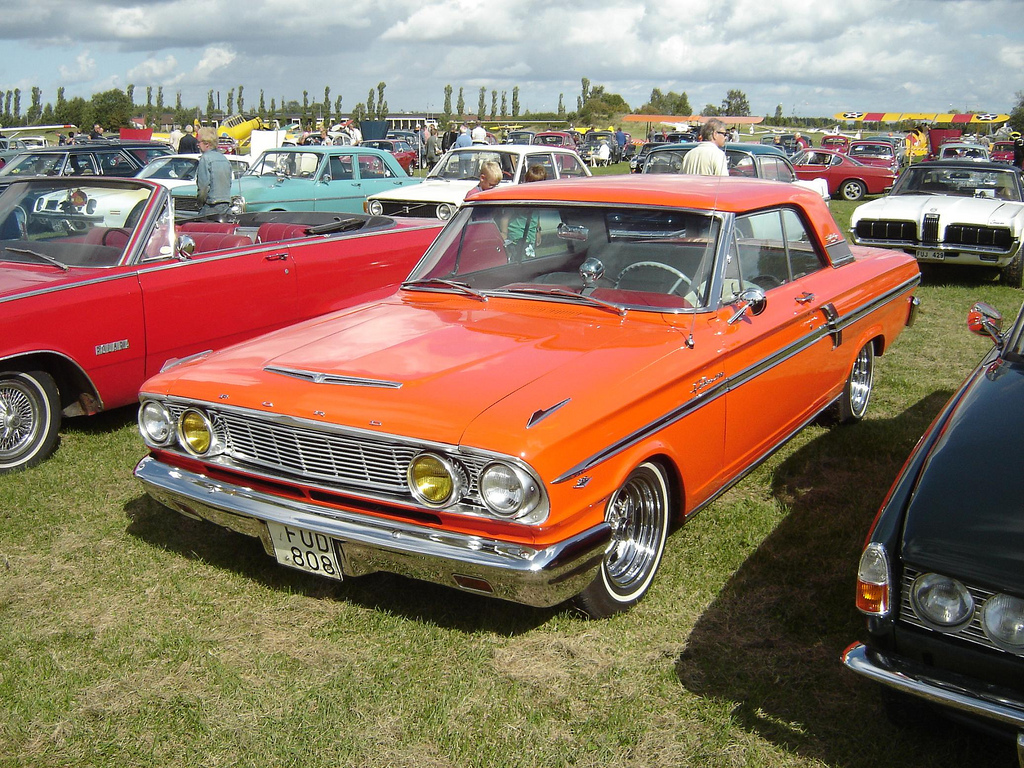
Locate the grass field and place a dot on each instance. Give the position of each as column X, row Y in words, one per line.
column 130, row 636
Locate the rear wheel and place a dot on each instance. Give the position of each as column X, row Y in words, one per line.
column 852, row 189
column 639, row 516
column 853, row 403
column 1013, row 273
column 29, row 419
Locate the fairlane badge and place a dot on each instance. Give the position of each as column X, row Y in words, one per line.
column 112, row 346
column 704, row 382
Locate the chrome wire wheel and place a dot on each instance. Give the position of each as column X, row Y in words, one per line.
column 639, row 514
column 29, row 419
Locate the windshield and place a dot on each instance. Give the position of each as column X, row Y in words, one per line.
column 49, row 164
column 299, row 164
column 871, row 150
column 464, row 164
column 960, row 181
column 75, row 226
column 171, row 168
column 642, row 259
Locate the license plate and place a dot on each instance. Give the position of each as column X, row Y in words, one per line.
column 931, row 255
column 305, row 550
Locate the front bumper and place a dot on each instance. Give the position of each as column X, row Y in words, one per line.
column 962, row 694
column 538, row 577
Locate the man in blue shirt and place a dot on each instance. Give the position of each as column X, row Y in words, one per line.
column 213, row 176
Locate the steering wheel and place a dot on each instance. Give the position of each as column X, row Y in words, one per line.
column 655, row 265
column 109, row 232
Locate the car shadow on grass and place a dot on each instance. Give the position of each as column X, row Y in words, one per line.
column 421, row 601
column 770, row 642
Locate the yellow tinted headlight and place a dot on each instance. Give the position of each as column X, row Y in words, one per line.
column 195, row 432
column 434, row 480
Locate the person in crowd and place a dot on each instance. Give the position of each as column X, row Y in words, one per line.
column 490, row 177
column 708, row 158
column 213, row 175
column 1018, row 149
column 188, row 145
column 479, row 135
column 97, row 132
column 522, row 230
column 464, row 139
column 430, row 149
column 801, row 142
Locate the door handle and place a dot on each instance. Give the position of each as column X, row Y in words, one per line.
column 276, row 257
column 805, row 298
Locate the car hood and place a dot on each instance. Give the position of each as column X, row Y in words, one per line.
column 430, row 191
column 27, row 278
column 966, row 516
column 437, row 367
column 976, row 210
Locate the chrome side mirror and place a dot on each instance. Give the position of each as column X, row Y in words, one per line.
column 985, row 320
column 750, row 300
column 184, row 247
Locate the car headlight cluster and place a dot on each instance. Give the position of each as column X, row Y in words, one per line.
column 945, row 604
column 507, row 491
column 374, row 207
column 445, row 211
column 192, row 430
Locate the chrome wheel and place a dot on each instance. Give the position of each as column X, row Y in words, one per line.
column 29, row 419
column 639, row 514
column 854, row 402
column 852, row 189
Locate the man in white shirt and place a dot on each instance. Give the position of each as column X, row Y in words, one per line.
column 708, row 158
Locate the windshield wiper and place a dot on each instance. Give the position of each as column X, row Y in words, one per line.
column 426, row 282
column 567, row 294
column 38, row 255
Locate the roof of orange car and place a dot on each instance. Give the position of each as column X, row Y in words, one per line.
column 705, row 192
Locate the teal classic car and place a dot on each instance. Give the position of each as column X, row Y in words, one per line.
column 327, row 178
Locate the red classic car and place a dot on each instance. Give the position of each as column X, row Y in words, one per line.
column 847, row 178
column 837, row 143
column 556, row 139
column 575, row 367
column 1002, row 152
column 403, row 152
column 879, row 153
column 100, row 290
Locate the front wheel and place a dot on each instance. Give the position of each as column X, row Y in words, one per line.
column 29, row 419
column 1013, row 273
column 639, row 514
column 852, row 189
column 853, row 403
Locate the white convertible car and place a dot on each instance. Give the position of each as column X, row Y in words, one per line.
column 455, row 174
column 957, row 212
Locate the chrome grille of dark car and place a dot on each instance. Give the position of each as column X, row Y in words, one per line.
column 882, row 230
column 972, row 632
column 357, row 462
column 998, row 238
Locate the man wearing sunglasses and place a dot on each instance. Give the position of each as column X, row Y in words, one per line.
column 708, row 157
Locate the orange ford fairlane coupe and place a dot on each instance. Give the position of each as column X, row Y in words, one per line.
column 573, row 368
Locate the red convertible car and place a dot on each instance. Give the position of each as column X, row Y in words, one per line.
column 574, row 368
column 847, row 178
column 100, row 289
column 403, row 152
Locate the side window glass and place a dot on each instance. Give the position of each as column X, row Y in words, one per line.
column 761, row 248
column 341, row 168
column 543, row 162
column 741, row 165
column 568, row 165
column 79, row 164
column 802, row 257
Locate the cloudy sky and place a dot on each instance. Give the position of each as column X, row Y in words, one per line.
column 813, row 58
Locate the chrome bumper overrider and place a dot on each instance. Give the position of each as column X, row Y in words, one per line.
column 539, row 577
column 935, row 686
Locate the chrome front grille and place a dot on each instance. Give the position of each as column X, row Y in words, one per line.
column 972, row 632
column 356, row 462
column 887, row 231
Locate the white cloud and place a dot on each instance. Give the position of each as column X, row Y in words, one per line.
column 85, row 69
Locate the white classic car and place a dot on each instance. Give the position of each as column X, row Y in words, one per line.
column 178, row 170
column 455, row 174
column 959, row 212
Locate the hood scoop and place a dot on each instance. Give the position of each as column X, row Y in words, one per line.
column 318, row 377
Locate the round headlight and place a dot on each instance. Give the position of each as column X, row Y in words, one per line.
column 435, row 481
column 195, row 432
column 445, row 211
column 156, row 424
column 1003, row 621
column 941, row 602
column 374, row 207
column 507, row 491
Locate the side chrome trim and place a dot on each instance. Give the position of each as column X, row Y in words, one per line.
column 318, row 377
column 833, row 329
column 539, row 577
column 931, row 684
